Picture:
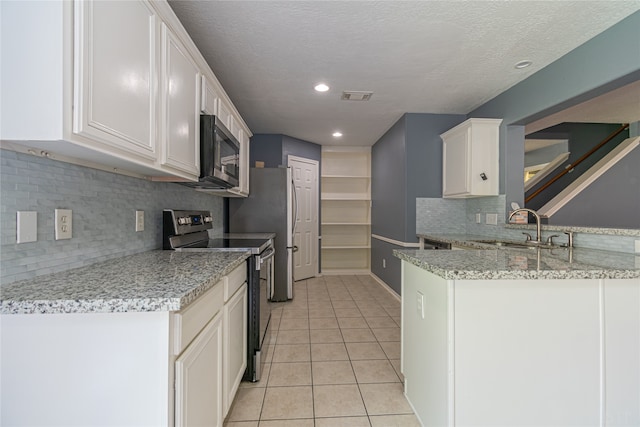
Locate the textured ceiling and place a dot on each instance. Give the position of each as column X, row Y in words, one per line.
column 416, row 56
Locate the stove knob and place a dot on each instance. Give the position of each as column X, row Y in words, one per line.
column 208, row 219
column 182, row 221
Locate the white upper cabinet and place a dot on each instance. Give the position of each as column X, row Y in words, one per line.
column 210, row 98
column 114, row 85
column 116, row 75
column 470, row 159
column 181, row 106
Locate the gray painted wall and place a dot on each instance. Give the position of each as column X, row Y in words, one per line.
column 406, row 163
column 613, row 199
column 607, row 61
column 388, row 183
column 103, row 205
column 545, row 155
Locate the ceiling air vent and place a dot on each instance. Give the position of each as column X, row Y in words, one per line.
column 356, row 95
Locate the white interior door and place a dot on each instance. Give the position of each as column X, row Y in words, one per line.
column 304, row 173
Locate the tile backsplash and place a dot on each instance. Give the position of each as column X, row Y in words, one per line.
column 437, row 216
column 103, row 206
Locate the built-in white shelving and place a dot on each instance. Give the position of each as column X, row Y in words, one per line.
column 346, row 210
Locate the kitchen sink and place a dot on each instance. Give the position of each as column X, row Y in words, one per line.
column 508, row 244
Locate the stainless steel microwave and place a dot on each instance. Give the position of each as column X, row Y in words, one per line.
column 219, row 155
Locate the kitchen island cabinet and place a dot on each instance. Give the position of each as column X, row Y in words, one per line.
column 507, row 337
column 135, row 341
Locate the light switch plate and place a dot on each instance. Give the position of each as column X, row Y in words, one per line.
column 638, row 246
column 63, row 224
column 420, row 304
column 478, row 218
column 139, row 220
column 26, row 226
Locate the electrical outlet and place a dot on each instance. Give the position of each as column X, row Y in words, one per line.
column 63, row 224
column 139, row 220
column 420, row 304
column 384, row 263
column 27, row 226
column 638, row 246
column 492, row 218
column 478, row 218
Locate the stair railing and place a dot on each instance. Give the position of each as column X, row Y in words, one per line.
column 571, row 166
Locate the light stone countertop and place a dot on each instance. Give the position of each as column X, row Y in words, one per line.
column 485, row 262
column 150, row 281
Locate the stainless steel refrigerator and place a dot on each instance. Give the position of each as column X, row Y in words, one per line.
column 270, row 208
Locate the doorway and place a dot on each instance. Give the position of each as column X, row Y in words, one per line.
column 305, row 176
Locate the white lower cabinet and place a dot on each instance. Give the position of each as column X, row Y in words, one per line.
column 198, row 398
column 514, row 352
column 155, row 368
column 235, row 345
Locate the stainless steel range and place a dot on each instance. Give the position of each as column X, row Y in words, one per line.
column 187, row 231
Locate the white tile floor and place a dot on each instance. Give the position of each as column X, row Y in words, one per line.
column 334, row 360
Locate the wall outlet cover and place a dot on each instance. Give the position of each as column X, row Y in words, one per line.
column 492, row 218
column 638, row 246
column 26, row 226
column 478, row 218
column 139, row 220
column 63, row 224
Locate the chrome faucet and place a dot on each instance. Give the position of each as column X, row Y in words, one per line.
column 538, row 240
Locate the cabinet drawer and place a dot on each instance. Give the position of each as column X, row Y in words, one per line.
column 189, row 322
column 234, row 280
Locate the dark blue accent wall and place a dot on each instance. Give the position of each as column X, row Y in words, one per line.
column 406, row 162
column 266, row 148
column 273, row 149
column 299, row 148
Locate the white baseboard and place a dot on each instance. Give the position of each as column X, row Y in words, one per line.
column 387, row 287
column 354, row 272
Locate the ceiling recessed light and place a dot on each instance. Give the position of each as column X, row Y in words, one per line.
column 337, row 134
column 523, row 64
column 321, row 87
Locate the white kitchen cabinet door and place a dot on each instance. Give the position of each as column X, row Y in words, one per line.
column 235, row 344
column 225, row 115
column 210, row 98
column 181, row 104
column 243, row 138
column 115, row 75
column 198, row 379
column 622, row 351
column 470, row 159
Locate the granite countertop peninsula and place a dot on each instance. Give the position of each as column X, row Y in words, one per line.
column 486, row 262
column 150, row 281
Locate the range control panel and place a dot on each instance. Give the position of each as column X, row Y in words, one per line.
column 184, row 222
